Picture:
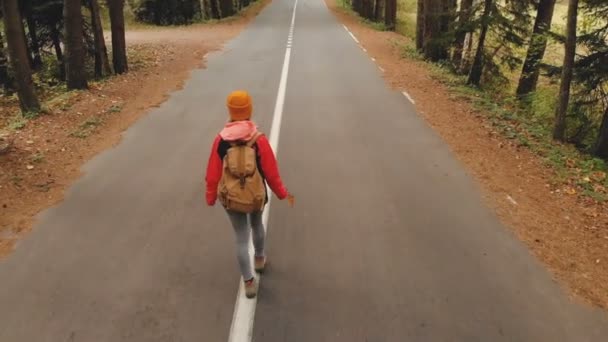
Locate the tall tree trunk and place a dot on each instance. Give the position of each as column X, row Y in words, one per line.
column 433, row 46
column 379, row 10
column 362, row 7
column 74, row 45
column 559, row 128
column 464, row 16
column 203, row 7
column 227, row 8
column 368, row 9
column 536, row 50
column 215, row 9
column 102, row 64
column 119, row 44
column 390, row 14
column 32, row 31
column 5, row 79
column 372, row 10
column 420, row 25
column 601, row 144
column 17, row 48
column 356, row 5
column 465, row 64
column 28, row 49
column 447, row 15
column 58, row 52
column 478, row 62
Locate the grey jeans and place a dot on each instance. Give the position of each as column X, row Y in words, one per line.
column 243, row 234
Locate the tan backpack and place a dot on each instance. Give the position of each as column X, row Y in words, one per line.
column 242, row 187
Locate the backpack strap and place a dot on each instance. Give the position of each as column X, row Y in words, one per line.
column 255, row 138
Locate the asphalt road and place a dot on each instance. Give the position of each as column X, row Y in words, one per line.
column 389, row 240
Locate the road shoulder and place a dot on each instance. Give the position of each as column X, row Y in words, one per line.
column 47, row 153
column 567, row 233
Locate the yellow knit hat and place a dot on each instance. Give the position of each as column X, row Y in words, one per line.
column 239, row 105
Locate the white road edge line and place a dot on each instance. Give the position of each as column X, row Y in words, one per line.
column 351, row 34
column 373, row 59
column 408, row 97
column 381, row 68
column 364, row 49
column 510, row 199
column 241, row 329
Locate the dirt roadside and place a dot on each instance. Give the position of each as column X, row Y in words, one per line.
column 47, row 152
column 566, row 232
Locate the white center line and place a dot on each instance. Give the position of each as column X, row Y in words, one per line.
column 241, row 329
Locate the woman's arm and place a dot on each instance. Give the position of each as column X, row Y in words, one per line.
column 270, row 168
column 214, row 173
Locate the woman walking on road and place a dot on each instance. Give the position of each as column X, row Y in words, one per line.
column 240, row 164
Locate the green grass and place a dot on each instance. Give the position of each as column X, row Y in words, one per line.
column 37, row 157
column 530, row 127
column 62, row 98
column 527, row 125
column 86, row 128
column 17, row 123
column 115, row 109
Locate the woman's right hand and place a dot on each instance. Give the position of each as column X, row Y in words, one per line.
column 291, row 200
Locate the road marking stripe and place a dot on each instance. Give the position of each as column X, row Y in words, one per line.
column 351, row 34
column 408, row 97
column 511, row 200
column 373, row 59
column 241, row 329
column 381, row 68
column 364, row 50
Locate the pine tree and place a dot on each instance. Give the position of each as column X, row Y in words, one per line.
column 227, row 8
column 462, row 29
column 49, row 16
column 536, row 49
column 600, row 148
column 74, row 45
column 420, row 25
column 102, row 64
column 119, row 43
column 32, row 29
column 559, row 129
column 509, row 24
column 17, row 47
column 478, row 62
column 591, row 72
column 434, row 44
column 5, row 79
column 379, row 10
column 390, row 14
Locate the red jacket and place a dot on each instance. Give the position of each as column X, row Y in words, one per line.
column 268, row 167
